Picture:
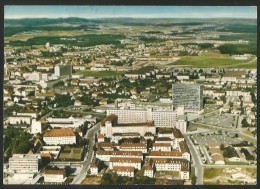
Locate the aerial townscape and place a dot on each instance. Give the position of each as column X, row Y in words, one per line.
column 129, row 100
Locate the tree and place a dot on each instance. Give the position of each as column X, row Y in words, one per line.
column 222, row 146
column 193, row 180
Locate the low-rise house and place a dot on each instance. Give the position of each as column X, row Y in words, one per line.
column 101, row 138
column 54, row 175
column 93, row 169
column 125, row 171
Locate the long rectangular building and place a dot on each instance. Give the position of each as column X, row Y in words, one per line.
column 162, row 118
column 106, row 155
column 25, row 163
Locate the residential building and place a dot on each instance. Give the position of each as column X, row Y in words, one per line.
column 134, row 147
column 106, row 155
column 54, row 175
column 59, row 136
column 110, row 125
column 36, row 126
column 173, row 164
column 161, row 118
column 63, row 70
column 125, row 171
column 133, row 162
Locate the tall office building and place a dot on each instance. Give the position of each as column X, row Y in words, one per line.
column 188, row 95
column 63, row 70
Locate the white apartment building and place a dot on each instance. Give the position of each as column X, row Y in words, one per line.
column 118, row 136
column 53, row 176
column 162, row 147
column 134, row 147
column 171, row 154
column 161, row 118
column 25, row 163
column 93, row 170
column 19, row 119
column 132, row 162
column 106, row 155
column 32, row 76
column 36, row 126
column 54, row 151
column 110, row 125
column 70, row 122
column 59, row 136
column 148, row 171
column 31, row 114
column 168, row 164
column 125, row 171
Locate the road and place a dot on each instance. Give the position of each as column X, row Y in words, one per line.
column 87, row 161
column 199, row 170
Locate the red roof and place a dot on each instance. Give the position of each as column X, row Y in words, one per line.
column 59, row 133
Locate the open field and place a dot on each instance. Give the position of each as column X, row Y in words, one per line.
column 166, row 174
column 71, row 153
column 90, row 73
column 220, row 176
column 92, row 180
column 210, row 61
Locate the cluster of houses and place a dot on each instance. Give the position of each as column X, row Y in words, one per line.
column 168, row 152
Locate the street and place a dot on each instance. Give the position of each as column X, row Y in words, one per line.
column 87, row 162
column 199, row 170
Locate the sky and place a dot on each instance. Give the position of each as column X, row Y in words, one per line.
column 63, row 11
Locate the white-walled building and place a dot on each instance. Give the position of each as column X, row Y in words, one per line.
column 162, row 147
column 25, row 163
column 53, row 176
column 133, row 162
column 93, row 170
column 161, row 118
column 134, row 147
column 19, row 119
column 59, row 136
column 173, row 164
column 110, row 125
column 106, row 155
column 69, row 122
column 36, row 126
column 53, row 151
column 125, row 171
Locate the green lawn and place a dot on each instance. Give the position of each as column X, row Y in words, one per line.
column 210, row 173
column 100, row 73
column 211, row 61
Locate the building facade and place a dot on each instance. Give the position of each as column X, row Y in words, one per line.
column 25, row 163
column 188, row 95
column 59, row 136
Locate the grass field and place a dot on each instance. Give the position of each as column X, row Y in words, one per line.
column 91, row 180
column 71, row 153
column 163, row 174
column 100, row 73
column 210, row 173
column 212, row 59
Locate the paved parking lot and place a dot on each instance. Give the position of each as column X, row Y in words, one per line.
column 226, row 120
column 212, row 139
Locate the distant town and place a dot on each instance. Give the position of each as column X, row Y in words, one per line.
column 130, row 101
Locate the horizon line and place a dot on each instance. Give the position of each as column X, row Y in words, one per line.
column 130, row 17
